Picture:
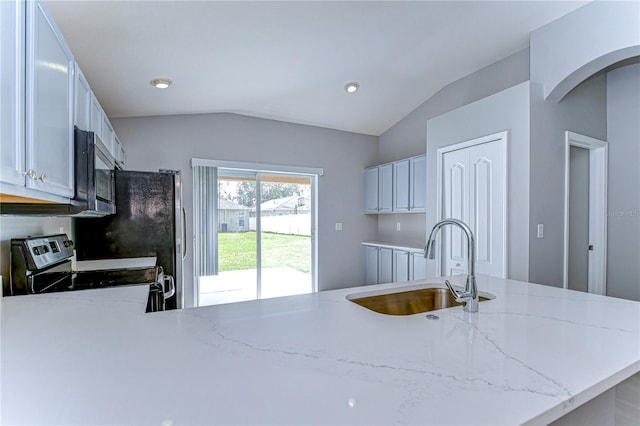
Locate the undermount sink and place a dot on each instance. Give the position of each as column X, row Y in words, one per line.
column 409, row 302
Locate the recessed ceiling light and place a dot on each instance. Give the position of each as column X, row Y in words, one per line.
column 352, row 86
column 161, row 83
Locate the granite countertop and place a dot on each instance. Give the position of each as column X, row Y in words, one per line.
column 532, row 354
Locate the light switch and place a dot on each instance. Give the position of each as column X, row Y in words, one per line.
column 397, row 226
column 338, row 226
column 540, row 230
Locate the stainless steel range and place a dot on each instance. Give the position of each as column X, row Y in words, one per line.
column 43, row 265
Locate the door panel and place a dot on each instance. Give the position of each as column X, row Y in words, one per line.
column 456, row 195
column 473, row 183
column 481, row 212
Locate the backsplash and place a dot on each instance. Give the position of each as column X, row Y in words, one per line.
column 17, row 226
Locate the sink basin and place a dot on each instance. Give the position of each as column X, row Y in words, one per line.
column 409, row 302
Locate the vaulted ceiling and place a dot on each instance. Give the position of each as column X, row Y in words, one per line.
column 290, row 61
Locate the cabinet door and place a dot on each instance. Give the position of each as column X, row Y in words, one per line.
column 95, row 117
column 385, row 265
column 107, row 134
column 385, row 188
column 12, row 92
column 401, row 186
column 371, row 265
column 49, row 104
column 371, row 190
column 82, row 101
column 417, row 267
column 418, row 184
column 118, row 152
column 400, row 265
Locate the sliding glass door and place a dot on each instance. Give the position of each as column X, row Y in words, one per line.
column 284, row 235
column 263, row 238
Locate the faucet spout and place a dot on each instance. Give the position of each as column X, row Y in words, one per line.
column 470, row 293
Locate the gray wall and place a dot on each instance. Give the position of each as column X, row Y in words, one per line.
column 507, row 110
column 171, row 142
column 574, row 47
column 582, row 111
column 409, row 136
column 578, row 270
column 18, row 227
column 623, row 135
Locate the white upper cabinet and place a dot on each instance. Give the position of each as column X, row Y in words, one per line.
column 107, row 133
column 49, row 105
column 95, row 116
column 82, row 101
column 397, row 187
column 401, row 186
column 12, row 92
column 418, row 183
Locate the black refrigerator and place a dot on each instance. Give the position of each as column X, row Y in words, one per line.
column 149, row 221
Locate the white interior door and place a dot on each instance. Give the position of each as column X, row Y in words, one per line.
column 474, row 189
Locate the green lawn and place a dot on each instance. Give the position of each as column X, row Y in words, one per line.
column 237, row 250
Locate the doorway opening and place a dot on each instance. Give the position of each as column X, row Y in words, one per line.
column 585, row 209
column 261, row 229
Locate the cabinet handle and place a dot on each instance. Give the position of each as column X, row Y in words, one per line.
column 43, row 178
column 30, row 173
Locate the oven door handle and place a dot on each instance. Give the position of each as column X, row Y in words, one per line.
column 169, row 282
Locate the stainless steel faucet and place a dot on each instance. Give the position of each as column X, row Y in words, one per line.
column 470, row 294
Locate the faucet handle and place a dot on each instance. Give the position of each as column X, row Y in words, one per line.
column 460, row 297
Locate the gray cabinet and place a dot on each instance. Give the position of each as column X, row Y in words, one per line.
column 387, row 264
column 378, row 189
column 385, row 188
column 371, row 190
column 418, row 183
column 12, row 51
column 378, row 265
column 401, row 186
column 49, row 105
column 398, row 187
column 417, row 266
column 400, row 265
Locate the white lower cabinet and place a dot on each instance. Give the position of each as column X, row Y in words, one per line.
column 384, row 264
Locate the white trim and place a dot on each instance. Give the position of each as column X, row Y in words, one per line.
column 258, row 236
column 503, row 138
column 258, row 167
column 598, row 183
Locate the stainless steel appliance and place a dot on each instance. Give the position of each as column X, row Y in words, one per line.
column 43, row 265
column 149, row 221
column 94, row 183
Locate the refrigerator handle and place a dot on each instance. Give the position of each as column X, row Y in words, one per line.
column 184, row 234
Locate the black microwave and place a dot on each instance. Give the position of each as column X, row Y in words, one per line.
column 94, row 183
column 94, row 175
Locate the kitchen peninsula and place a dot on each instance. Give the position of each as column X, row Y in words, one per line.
column 530, row 356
